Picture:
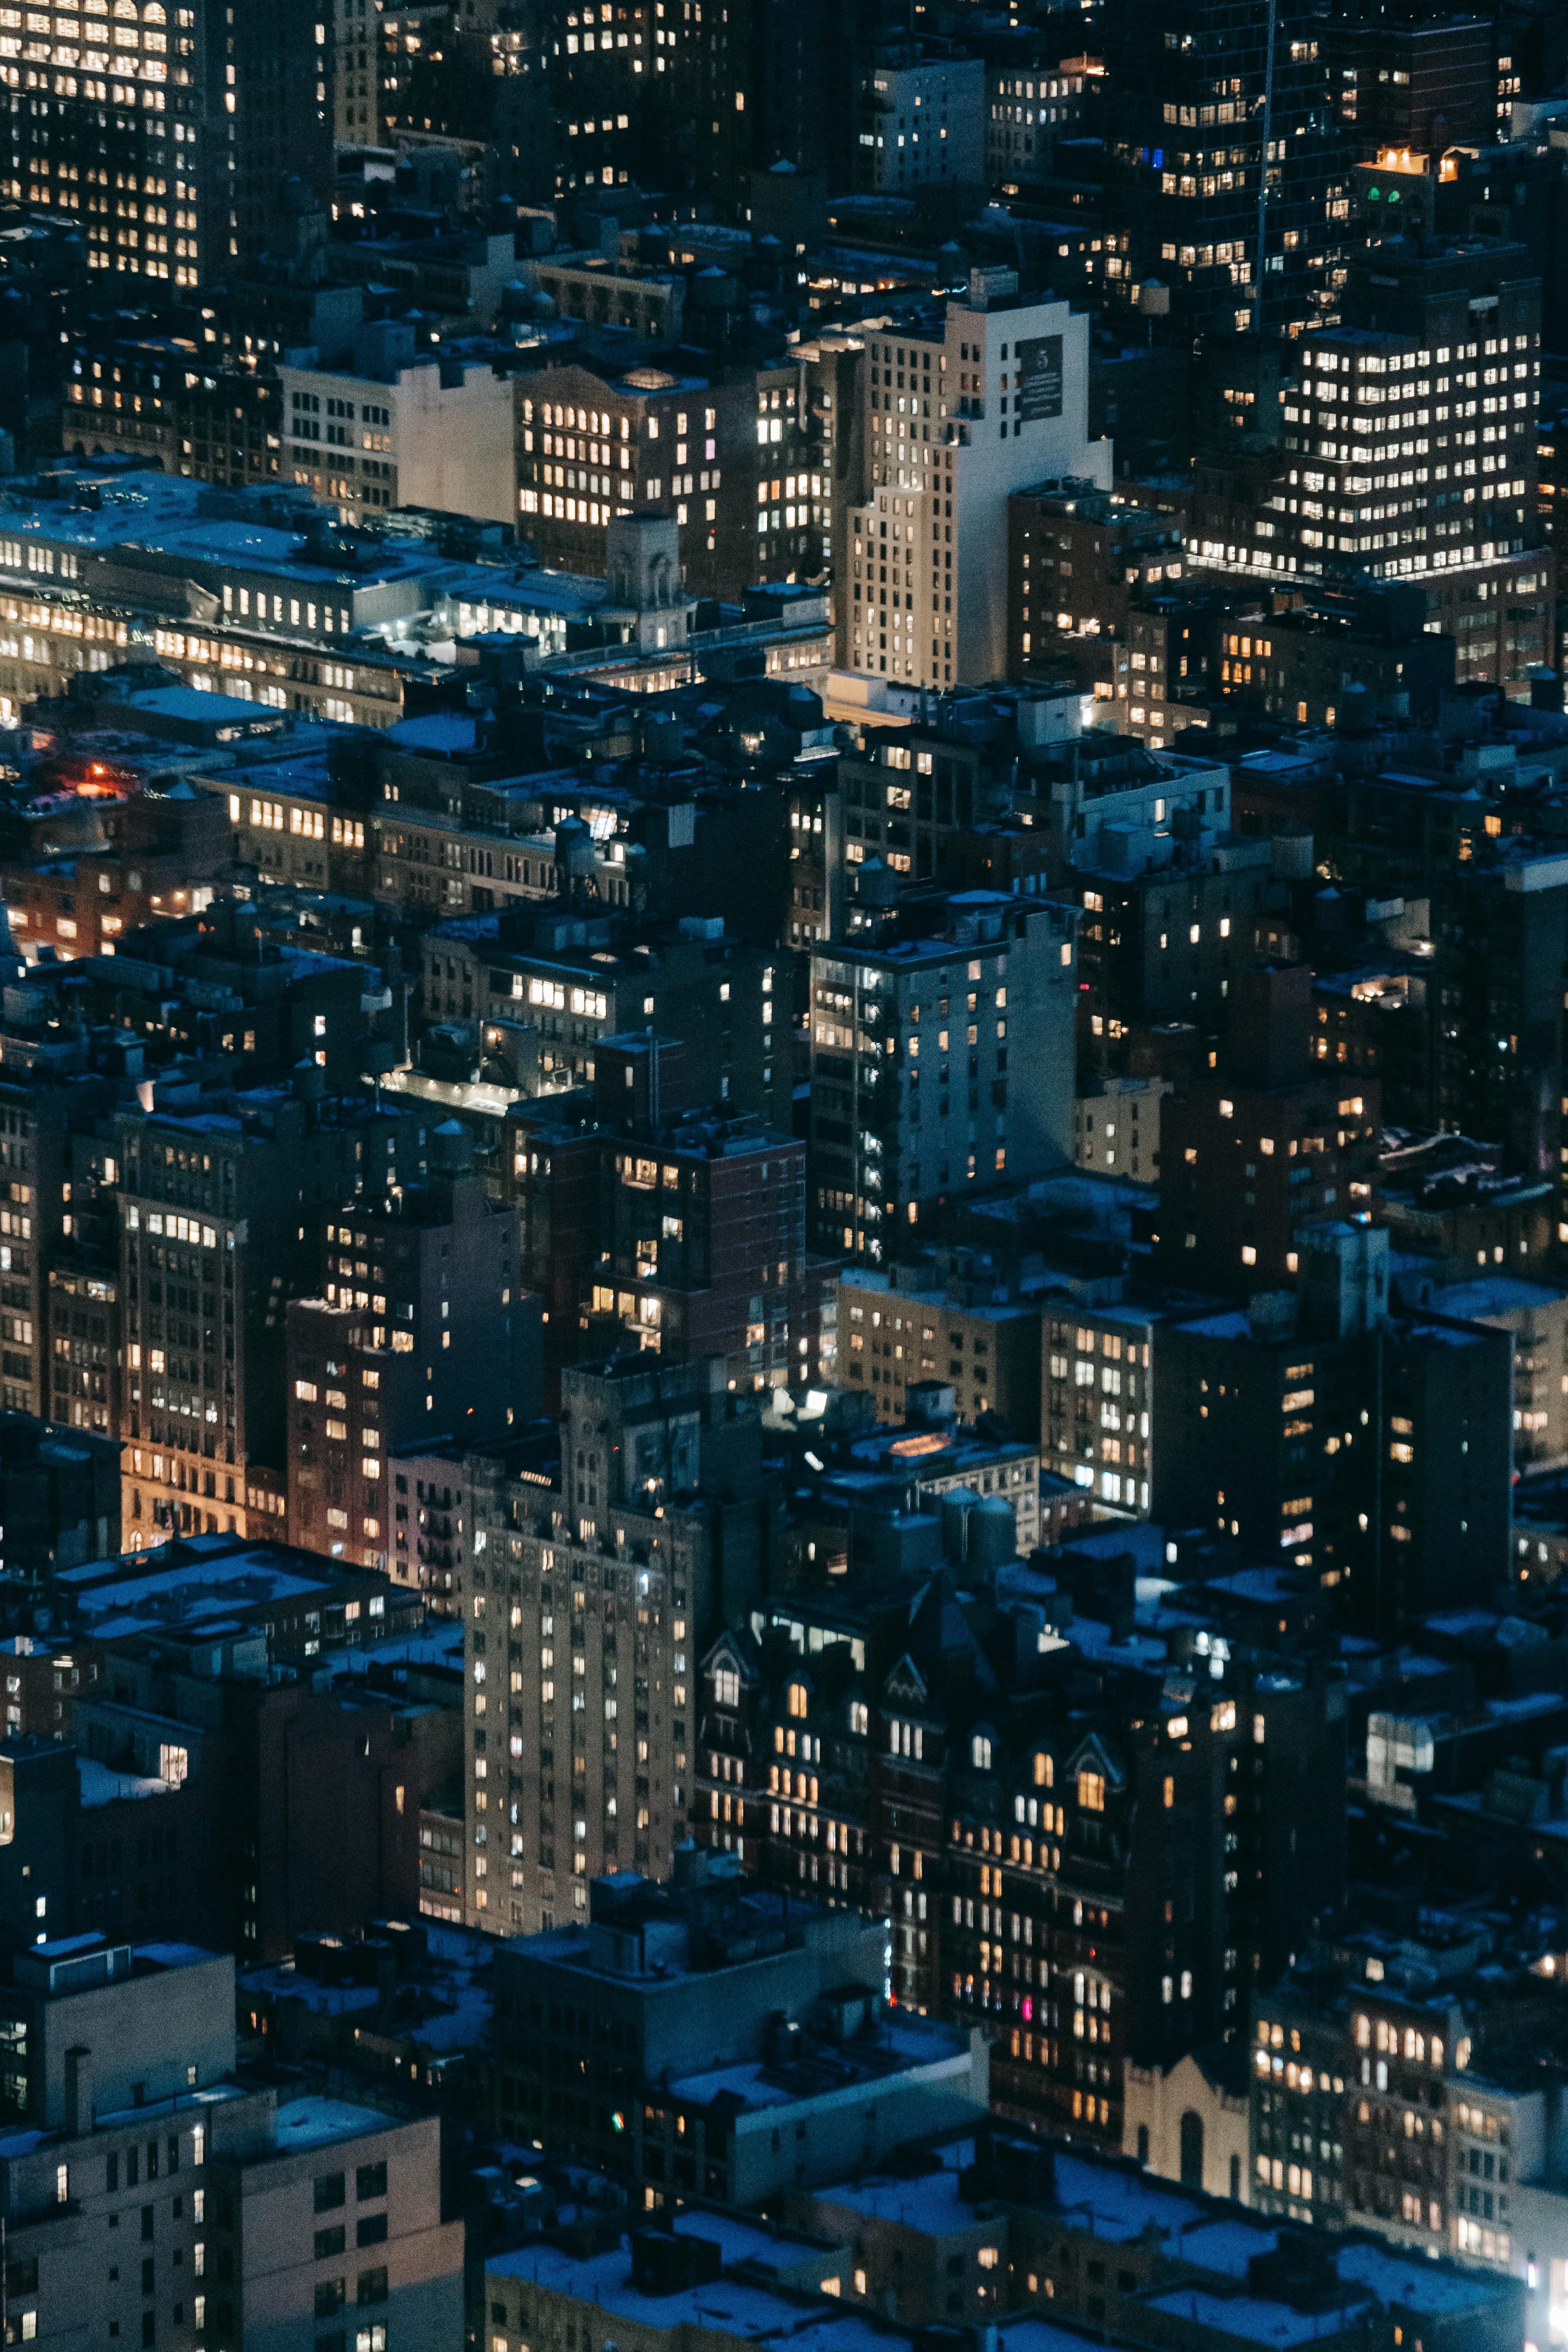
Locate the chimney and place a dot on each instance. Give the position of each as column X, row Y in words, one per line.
column 79, row 2092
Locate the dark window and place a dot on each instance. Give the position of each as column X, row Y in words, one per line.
column 330, row 2241
column 329, row 2191
column 370, row 2180
column 149, row 2324
column 372, row 2230
column 22, row 2278
column 373, row 2286
column 1192, row 2149
column 112, row 2173
column 147, row 2275
column 146, row 2221
column 330, row 2297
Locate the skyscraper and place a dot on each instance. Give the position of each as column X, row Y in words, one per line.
column 163, row 133
column 1202, row 88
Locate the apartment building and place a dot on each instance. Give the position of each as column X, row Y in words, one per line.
column 911, row 992
column 1097, row 1392
column 220, row 1206
column 425, row 1331
column 213, row 2211
column 588, row 1608
column 948, row 1316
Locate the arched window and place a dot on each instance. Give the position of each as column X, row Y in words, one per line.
column 979, row 1750
column 1192, row 2149
column 1045, row 1771
column 797, row 1699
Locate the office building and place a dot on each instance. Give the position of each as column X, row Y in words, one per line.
column 1199, row 94
column 960, row 409
column 742, row 458
column 167, row 142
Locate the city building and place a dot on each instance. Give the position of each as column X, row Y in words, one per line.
column 974, row 979
column 951, row 1315
column 1316, row 1430
column 1117, row 1128
column 960, row 408
column 922, row 123
column 1270, row 1137
column 202, row 123
column 728, row 2038
column 658, row 1534
column 220, row 1204
column 132, row 2121
column 417, row 431
column 425, row 1330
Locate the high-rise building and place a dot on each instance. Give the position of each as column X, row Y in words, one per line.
column 941, row 1058
column 1265, row 1147
column 1409, row 453
column 588, row 1610
column 962, row 406
column 221, row 1206
column 425, row 1332
column 1322, row 1432
column 166, row 139
column 1210, row 97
